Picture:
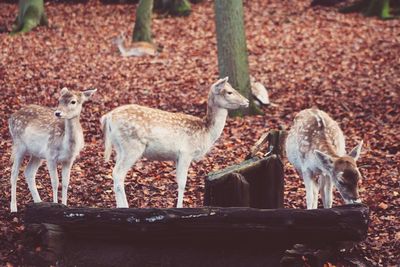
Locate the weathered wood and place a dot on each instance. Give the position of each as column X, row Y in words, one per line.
column 288, row 225
column 235, row 188
column 265, row 178
column 179, row 237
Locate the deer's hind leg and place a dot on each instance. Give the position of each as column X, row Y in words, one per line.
column 311, row 189
column 127, row 155
column 17, row 157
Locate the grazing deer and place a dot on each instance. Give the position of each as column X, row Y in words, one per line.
column 137, row 49
column 315, row 146
column 137, row 131
column 43, row 133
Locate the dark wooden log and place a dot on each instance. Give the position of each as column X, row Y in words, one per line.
column 236, row 192
column 265, row 177
column 288, row 225
column 179, row 237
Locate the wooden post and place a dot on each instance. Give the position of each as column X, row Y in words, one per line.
column 265, row 179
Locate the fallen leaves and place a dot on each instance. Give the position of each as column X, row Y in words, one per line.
column 347, row 65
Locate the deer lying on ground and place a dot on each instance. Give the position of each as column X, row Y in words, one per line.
column 135, row 131
column 43, row 133
column 315, row 146
column 137, row 49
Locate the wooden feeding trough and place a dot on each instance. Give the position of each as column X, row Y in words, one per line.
column 207, row 236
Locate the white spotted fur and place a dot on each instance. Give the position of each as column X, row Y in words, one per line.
column 37, row 132
column 136, row 131
column 315, row 146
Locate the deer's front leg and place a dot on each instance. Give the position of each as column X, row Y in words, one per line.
column 182, row 167
column 65, row 174
column 326, row 191
column 52, row 166
column 30, row 174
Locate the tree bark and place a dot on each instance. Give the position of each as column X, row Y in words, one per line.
column 232, row 50
column 30, row 14
column 142, row 29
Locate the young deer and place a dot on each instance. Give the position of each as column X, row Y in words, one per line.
column 43, row 133
column 315, row 146
column 137, row 131
column 137, row 49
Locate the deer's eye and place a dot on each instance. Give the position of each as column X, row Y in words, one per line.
column 73, row 102
column 229, row 93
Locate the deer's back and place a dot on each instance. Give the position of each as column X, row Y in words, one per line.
column 163, row 133
column 313, row 129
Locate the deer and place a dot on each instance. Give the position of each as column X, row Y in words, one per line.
column 43, row 133
column 136, row 131
column 315, row 145
column 137, row 49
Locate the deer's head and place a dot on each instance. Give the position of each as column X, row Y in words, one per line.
column 344, row 173
column 70, row 103
column 224, row 96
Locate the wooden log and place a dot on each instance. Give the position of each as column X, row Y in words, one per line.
column 265, row 177
column 181, row 237
column 236, row 192
column 345, row 223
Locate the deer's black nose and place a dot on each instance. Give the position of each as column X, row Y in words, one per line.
column 57, row 113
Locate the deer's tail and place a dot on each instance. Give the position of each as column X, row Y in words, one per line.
column 107, row 141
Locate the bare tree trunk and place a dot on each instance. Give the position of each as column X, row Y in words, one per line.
column 30, row 14
column 232, row 50
column 142, row 29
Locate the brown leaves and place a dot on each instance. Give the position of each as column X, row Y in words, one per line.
column 347, row 65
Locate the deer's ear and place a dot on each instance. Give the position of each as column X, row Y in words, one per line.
column 64, row 91
column 219, row 85
column 356, row 151
column 86, row 95
column 324, row 159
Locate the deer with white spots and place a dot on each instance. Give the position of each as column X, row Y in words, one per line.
column 316, row 147
column 135, row 131
column 45, row 133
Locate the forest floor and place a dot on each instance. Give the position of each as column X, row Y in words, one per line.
column 347, row 65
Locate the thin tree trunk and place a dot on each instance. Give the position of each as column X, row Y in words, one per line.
column 30, row 14
column 142, row 29
column 232, row 50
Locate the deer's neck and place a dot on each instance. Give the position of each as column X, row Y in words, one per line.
column 122, row 49
column 73, row 134
column 215, row 121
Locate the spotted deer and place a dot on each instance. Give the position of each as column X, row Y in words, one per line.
column 316, row 147
column 43, row 133
column 137, row 49
column 135, row 131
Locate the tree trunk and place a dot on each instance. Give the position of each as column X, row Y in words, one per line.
column 379, row 8
column 142, row 29
column 232, row 50
column 174, row 7
column 30, row 14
